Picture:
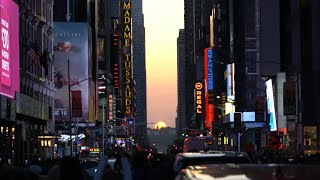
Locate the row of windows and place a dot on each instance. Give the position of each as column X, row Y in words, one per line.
column 38, row 35
column 37, row 91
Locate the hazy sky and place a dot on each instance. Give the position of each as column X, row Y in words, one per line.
column 162, row 22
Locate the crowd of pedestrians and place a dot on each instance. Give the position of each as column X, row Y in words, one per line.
column 67, row 168
column 137, row 165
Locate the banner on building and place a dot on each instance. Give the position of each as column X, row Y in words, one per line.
column 71, row 43
column 76, row 104
column 289, row 98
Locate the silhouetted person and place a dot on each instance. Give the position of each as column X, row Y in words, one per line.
column 68, row 168
column 16, row 173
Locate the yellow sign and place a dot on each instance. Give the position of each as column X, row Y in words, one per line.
column 199, row 95
column 127, row 62
column 198, row 86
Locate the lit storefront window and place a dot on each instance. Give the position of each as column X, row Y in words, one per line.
column 225, row 140
column 219, row 140
column 310, row 139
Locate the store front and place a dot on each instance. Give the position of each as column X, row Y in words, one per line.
column 7, row 136
column 310, row 140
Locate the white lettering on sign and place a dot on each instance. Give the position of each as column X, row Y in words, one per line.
column 5, row 65
column 5, row 38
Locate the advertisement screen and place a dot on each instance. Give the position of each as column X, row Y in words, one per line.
column 71, row 43
column 10, row 76
column 271, row 107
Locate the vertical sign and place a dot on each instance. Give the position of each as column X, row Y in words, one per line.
column 76, row 104
column 230, row 83
column 127, row 62
column 271, row 106
column 115, row 60
column 5, row 49
column 110, row 105
column 199, row 97
column 208, row 75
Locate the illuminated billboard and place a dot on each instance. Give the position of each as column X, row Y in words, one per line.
column 10, row 73
column 71, row 42
column 270, row 106
column 127, row 59
column 208, row 73
column 230, row 82
column 209, row 87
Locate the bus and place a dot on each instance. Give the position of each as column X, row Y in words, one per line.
column 200, row 143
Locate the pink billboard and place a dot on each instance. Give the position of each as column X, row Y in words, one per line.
column 9, row 44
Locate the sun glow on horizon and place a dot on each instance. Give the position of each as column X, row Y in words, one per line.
column 160, row 125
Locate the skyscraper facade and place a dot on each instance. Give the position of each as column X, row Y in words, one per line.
column 300, row 60
column 181, row 82
column 139, row 68
column 197, row 38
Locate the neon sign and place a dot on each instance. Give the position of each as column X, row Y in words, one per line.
column 127, row 63
column 210, row 70
column 199, row 97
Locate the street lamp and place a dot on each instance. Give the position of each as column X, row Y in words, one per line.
column 70, row 114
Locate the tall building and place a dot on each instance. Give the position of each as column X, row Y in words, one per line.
column 34, row 103
column 246, row 52
column 189, row 61
column 246, row 43
column 139, row 67
column 197, row 38
column 300, row 60
column 181, row 82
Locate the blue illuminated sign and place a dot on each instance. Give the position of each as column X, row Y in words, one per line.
column 210, row 69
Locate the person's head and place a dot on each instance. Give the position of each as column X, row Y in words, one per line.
column 70, row 168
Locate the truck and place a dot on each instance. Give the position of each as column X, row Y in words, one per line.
column 200, row 143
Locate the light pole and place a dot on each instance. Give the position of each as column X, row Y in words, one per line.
column 70, row 116
column 70, row 113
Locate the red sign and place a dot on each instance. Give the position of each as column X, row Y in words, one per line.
column 76, row 104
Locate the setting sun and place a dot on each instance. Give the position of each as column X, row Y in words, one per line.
column 160, row 125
